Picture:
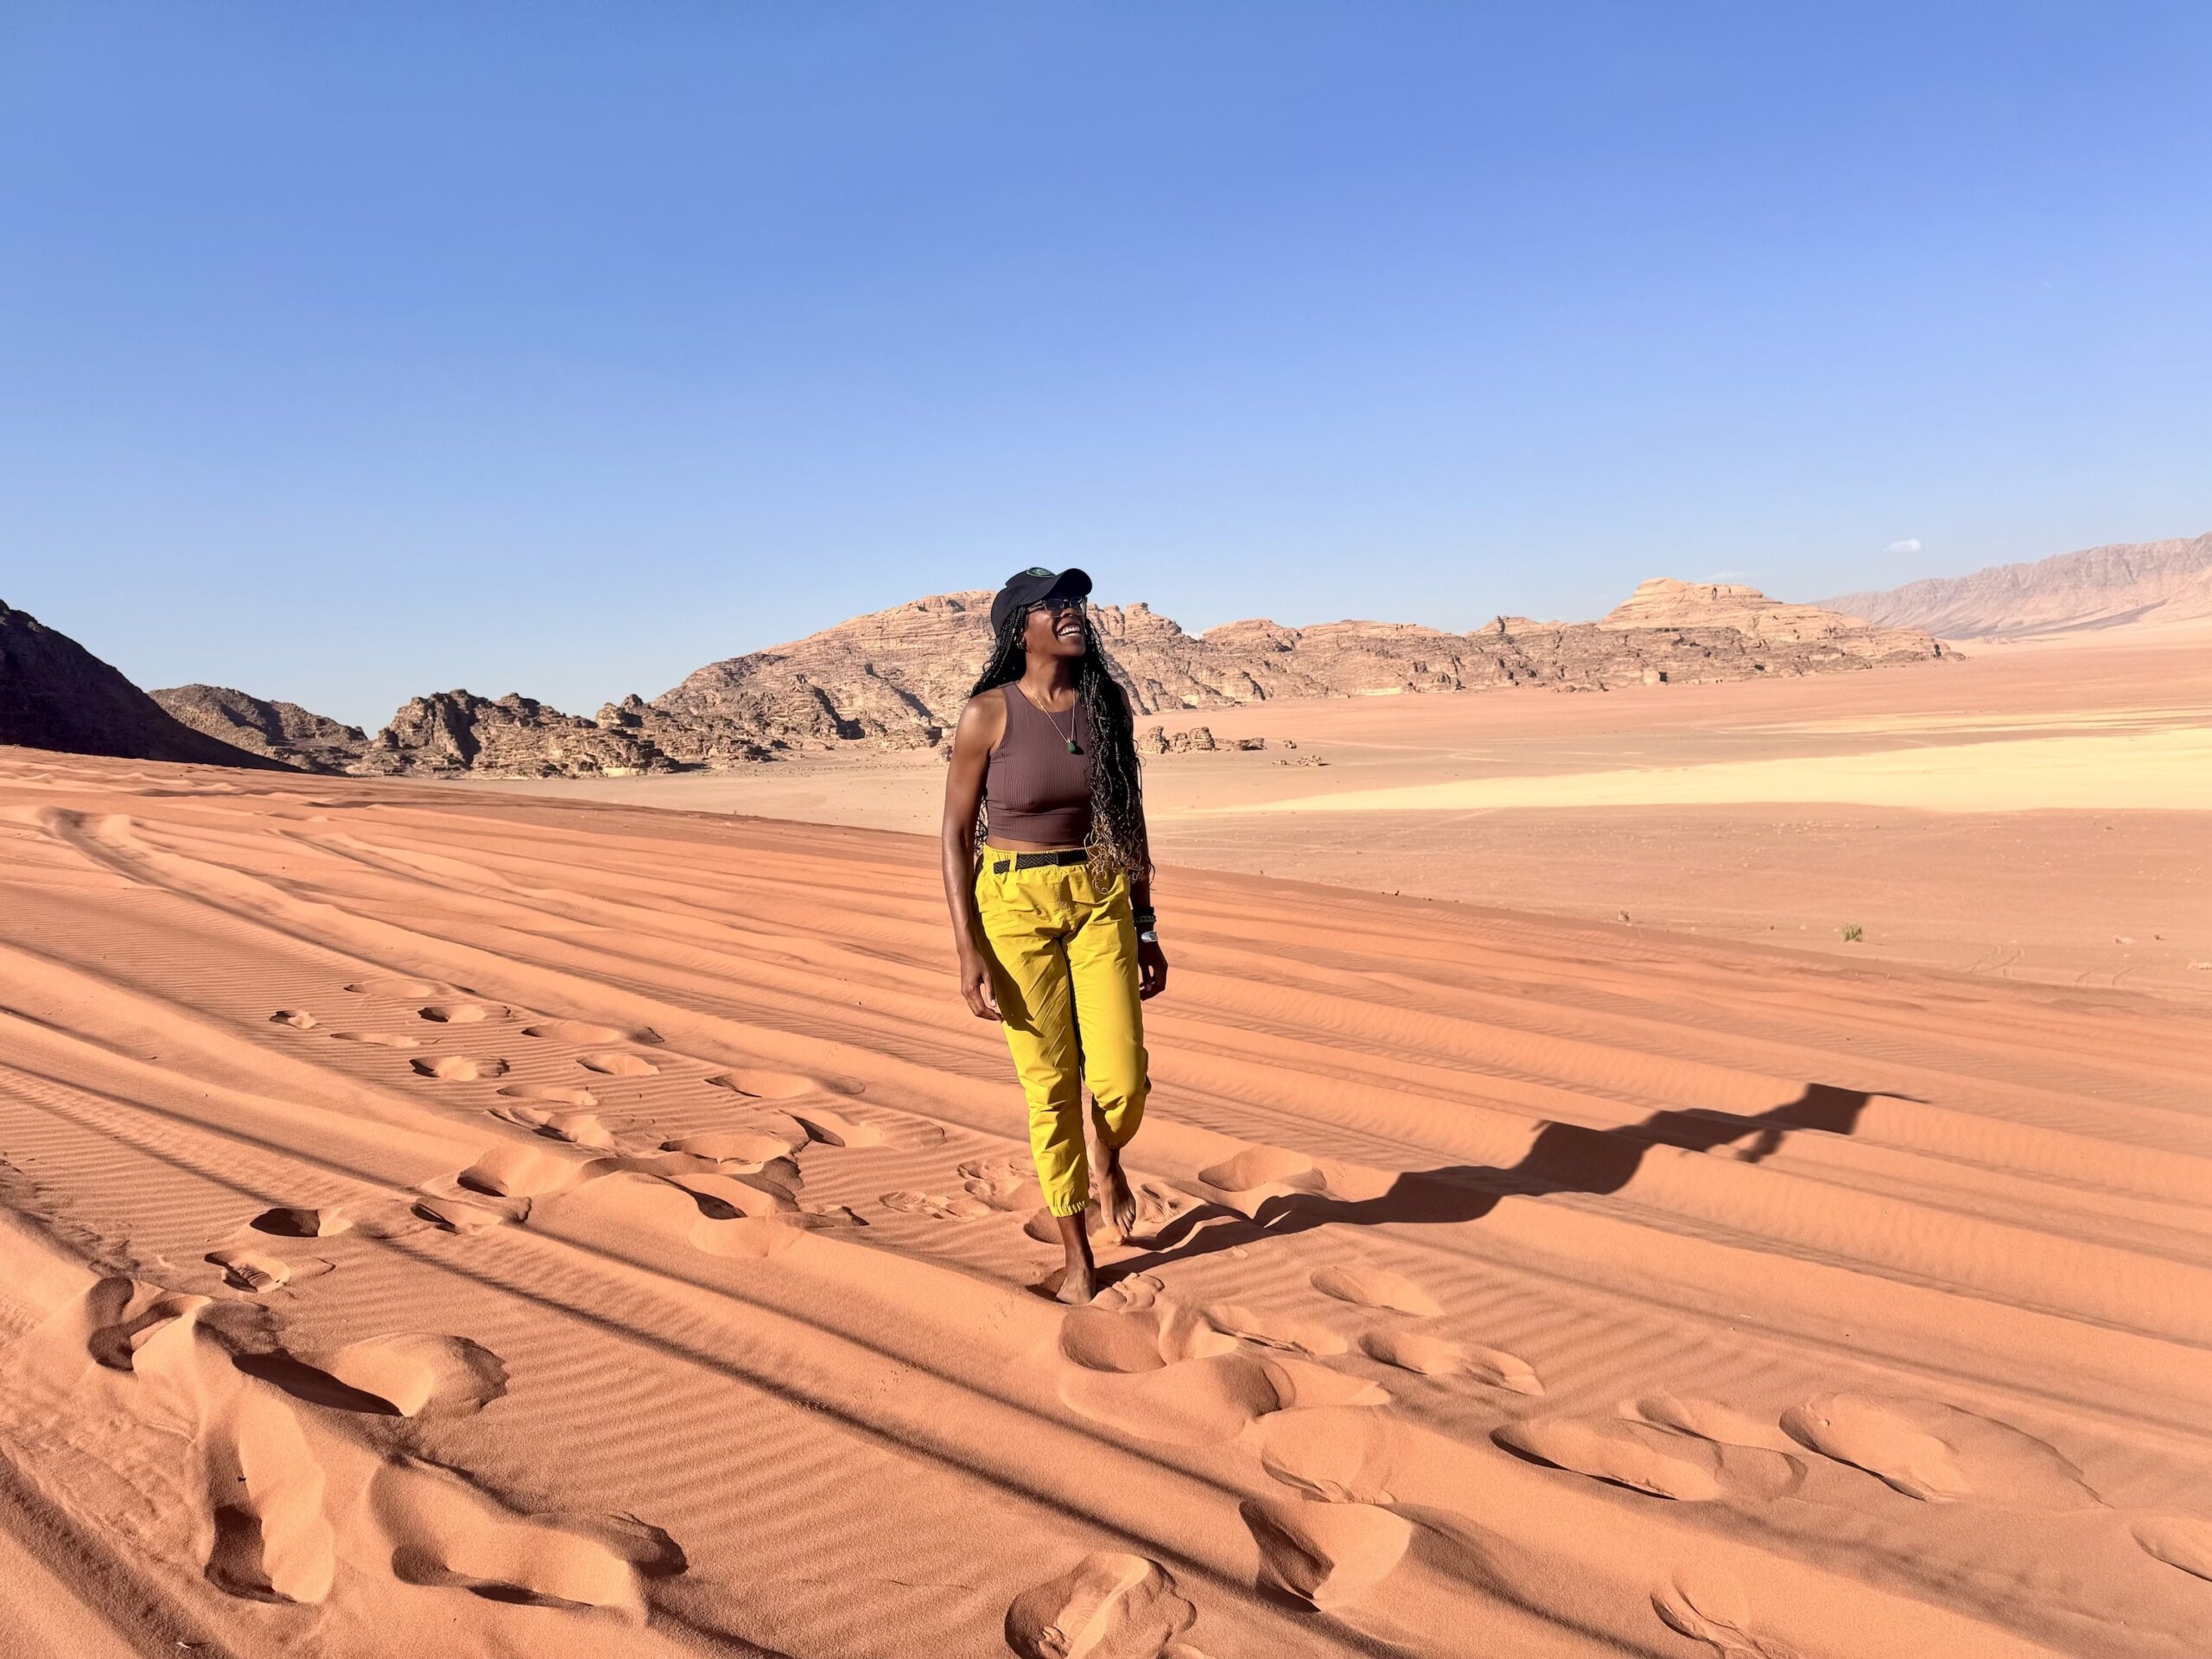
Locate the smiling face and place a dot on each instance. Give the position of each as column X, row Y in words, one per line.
column 1054, row 628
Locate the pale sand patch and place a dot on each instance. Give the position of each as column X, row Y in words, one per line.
column 2167, row 771
column 2099, row 894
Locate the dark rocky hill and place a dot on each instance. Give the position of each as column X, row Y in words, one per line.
column 282, row 731
column 56, row 695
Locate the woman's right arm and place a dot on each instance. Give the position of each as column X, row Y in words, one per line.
column 981, row 725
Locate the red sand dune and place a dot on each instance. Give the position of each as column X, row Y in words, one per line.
column 1511, row 1285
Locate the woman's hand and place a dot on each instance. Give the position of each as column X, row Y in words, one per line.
column 1152, row 969
column 976, row 986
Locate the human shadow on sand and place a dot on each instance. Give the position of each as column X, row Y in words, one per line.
column 1564, row 1158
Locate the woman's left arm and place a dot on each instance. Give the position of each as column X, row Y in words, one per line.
column 1152, row 960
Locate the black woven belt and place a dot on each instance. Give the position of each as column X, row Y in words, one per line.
column 1039, row 860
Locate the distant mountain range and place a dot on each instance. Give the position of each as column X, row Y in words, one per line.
column 896, row 679
column 2136, row 584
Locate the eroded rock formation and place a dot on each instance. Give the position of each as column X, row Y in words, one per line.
column 513, row 736
column 896, row 679
column 282, row 731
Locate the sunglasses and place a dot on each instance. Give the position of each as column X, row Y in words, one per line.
column 1054, row 606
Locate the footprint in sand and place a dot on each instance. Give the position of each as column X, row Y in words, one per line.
column 834, row 1129
column 121, row 1315
column 617, row 1063
column 1107, row 1606
column 1653, row 1461
column 411, row 1375
column 518, row 1170
column 1258, row 1175
column 583, row 1031
column 759, row 1083
column 1130, row 1294
column 555, row 1093
column 460, row 1212
column 378, row 1039
column 937, row 1207
column 1435, row 1356
column 255, row 1485
column 372, row 1218
column 577, row 1128
column 1259, row 1167
column 722, row 1196
column 257, row 1271
column 720, row 1215
column 1002, row 1183
column 754, row 1146
column 1328, row 1554
column 300, row 1222
column 1168, row 1375
column 403, row 988
column 1938, row 1453
column 1708, row 1420
column 1343, row 1454
column 1275, row 1330
column 1162, row 1374
column 459, row 1068
column 2182, row 1540
column 460, row 1013
column 1716, row 1612
column 1369, row 1286
column 298, row 1019
column 444, row 1530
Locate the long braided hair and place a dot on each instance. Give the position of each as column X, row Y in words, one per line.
column 1117, row 840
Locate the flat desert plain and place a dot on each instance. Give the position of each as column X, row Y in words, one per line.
column 2032, row 811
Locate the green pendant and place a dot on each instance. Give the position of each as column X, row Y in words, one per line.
column 1071, row 747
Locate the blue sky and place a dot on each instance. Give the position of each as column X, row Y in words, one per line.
column 349, row 353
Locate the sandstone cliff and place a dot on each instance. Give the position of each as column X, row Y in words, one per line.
column 56, row 695
column 2132, row 584
column 896, row 679
column 282, row 731
column 513, row 736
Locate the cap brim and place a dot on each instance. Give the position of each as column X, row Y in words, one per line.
column 1071, row 584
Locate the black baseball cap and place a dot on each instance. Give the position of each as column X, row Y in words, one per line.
column 1026, row 587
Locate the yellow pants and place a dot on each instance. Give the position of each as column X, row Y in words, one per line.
column 1064, row 968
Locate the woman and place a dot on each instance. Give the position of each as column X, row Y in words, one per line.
column 1052, row 902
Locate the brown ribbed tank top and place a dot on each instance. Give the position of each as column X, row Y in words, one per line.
column 1034, row 790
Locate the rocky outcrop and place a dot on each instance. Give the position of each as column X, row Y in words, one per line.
column 896, row 679
column 1666, row 603
column 281, row 731
column 56, row 695
column 2132, row 584
column 899, row 678
column 455, row 732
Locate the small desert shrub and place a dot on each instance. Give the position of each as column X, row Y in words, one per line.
column 1853, row 933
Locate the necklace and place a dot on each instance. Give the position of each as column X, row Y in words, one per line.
column 1068, row 736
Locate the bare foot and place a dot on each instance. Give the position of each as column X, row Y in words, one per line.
column 1077, row 1286
column 1080, row 1283
column 1121, row 1200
